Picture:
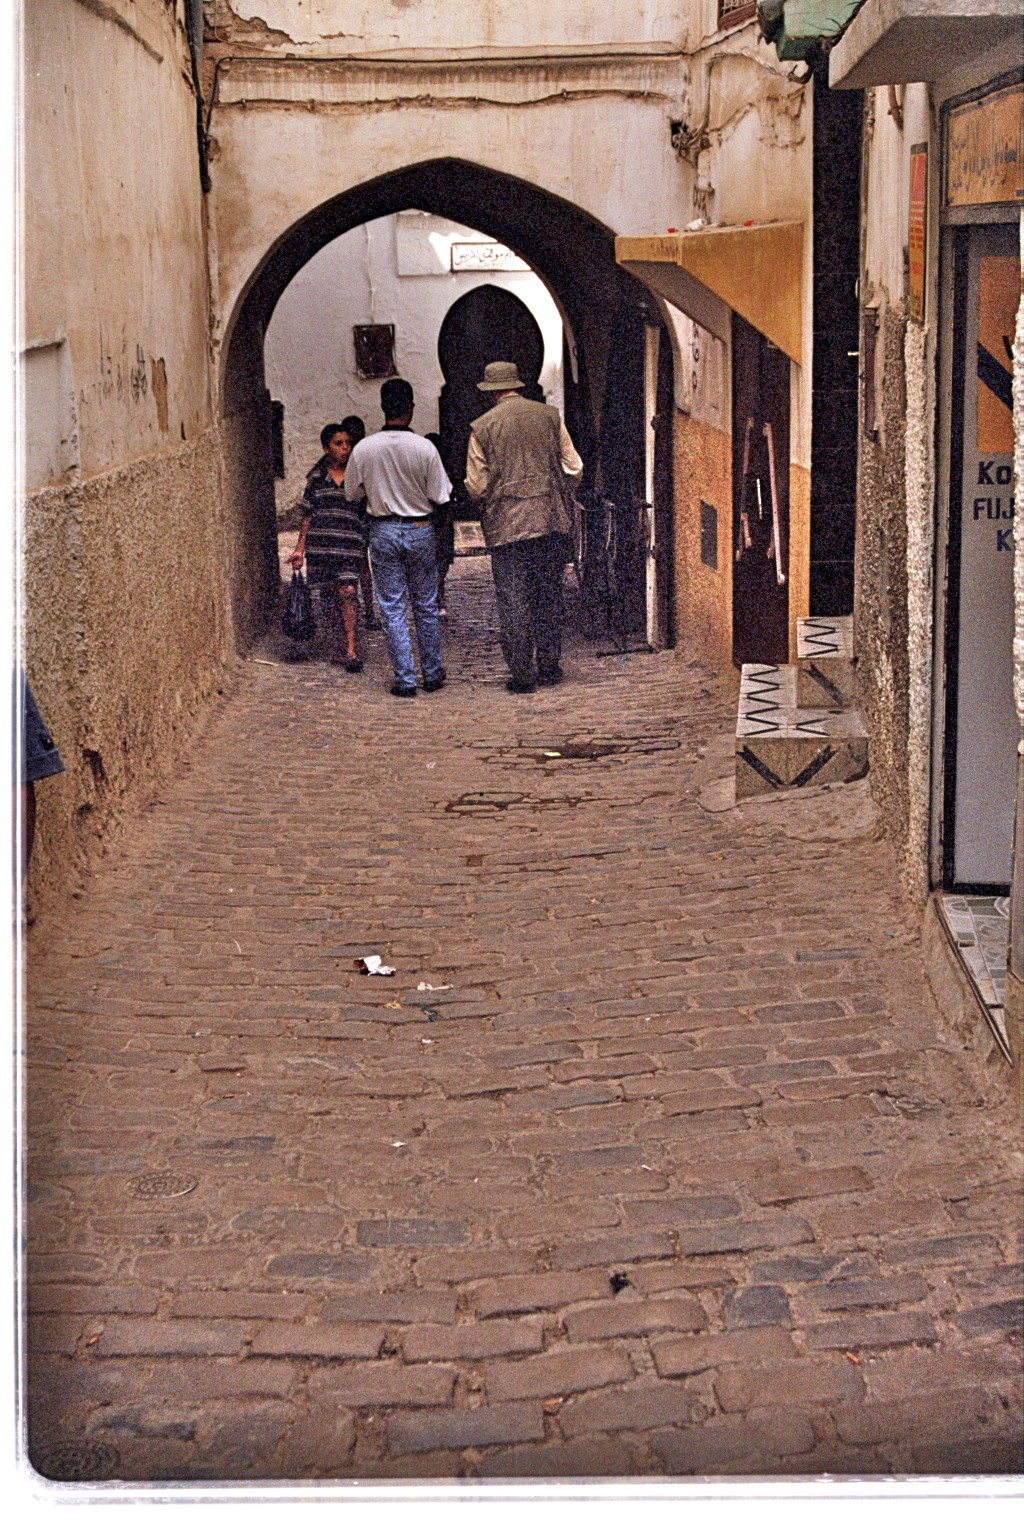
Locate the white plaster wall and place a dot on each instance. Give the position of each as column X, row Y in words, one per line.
column 886, row 204
column 113, row 257
column 125, row 618
column 702, row 370
column 359, row 280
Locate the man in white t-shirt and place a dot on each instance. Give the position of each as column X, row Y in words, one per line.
column 403, row 480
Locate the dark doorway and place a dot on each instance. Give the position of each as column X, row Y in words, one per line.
column 620, row 469
column 664, row 494
column 760, row 479
column 486, row 325
column 838, row 119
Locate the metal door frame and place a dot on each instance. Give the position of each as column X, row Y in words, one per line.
column 954, row 288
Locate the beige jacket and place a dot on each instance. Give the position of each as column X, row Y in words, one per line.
column 519, row 453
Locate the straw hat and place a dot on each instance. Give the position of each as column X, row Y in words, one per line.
column 501, row 376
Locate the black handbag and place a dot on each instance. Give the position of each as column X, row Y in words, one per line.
column 297, row 621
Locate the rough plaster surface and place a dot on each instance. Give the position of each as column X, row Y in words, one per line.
column 703, row 616
column 882, row 616
column 125, row 639
column 920, row 488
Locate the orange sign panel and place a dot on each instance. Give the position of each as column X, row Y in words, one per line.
column 985, row 150
column 917, row 232
column 998, row 298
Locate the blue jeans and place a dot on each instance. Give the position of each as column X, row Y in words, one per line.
column 404, row 562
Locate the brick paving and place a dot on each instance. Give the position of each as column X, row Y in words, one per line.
column 653, row 1158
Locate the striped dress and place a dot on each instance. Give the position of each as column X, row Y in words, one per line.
column 336, row 541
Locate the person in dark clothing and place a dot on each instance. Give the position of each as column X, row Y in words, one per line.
column 39, row 760
column 332, row 535
column 519, row 463
column 355, row 426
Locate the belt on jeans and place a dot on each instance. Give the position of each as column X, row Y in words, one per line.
column 395, row 517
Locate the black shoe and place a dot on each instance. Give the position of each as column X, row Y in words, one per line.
column 401, row 691
column 514, row 687
column 549, row 679
column 371, row 621
column 435, row 683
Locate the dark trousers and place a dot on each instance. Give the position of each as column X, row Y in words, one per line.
column 528, row 586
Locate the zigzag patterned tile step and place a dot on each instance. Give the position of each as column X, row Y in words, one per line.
column 768, row 707
column 780, row 744
column 818, row 639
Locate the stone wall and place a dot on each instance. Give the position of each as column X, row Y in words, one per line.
column 882, row 627
column 125, row 642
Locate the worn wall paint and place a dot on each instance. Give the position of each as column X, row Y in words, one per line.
column 113, row 241
column 342, row 26
column 289, row 135
column 919, row 470
column 702, row 473
column 362, row 279
column 609, row 153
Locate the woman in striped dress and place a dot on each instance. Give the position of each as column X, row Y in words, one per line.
column 332, row 536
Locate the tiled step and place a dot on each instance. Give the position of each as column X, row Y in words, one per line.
column 784, row 744
column 824, row 649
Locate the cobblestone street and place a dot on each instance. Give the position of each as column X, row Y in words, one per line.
column 653, row 1158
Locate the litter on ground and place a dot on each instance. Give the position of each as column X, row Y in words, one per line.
column 370, row 965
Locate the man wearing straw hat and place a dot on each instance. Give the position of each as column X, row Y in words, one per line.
column 519, row 455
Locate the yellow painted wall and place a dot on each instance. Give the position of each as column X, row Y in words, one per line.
column 703, row 605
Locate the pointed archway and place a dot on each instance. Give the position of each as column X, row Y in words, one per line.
column 571, row 251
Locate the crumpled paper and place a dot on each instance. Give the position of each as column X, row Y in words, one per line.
column 370, row 965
